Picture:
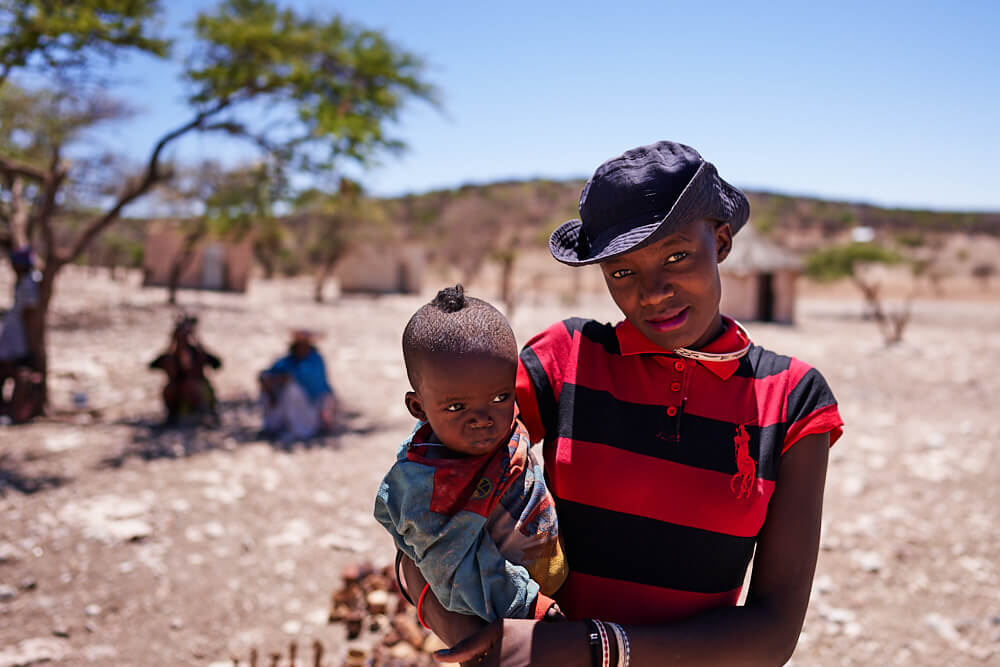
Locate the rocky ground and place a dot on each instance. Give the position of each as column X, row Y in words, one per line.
column 122, row 543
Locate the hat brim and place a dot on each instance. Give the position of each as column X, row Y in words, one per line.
column 706, row 196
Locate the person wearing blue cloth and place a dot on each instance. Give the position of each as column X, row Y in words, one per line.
column 297, row 398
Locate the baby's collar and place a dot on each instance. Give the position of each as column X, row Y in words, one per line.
column 631, row 341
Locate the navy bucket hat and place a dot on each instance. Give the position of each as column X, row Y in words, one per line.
column 641, row 196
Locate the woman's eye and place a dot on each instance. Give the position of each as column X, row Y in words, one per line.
column 676, row 257
column 621, row 273
column 500, row 398
column 455, row 407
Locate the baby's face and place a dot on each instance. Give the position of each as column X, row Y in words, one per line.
column 469, row 400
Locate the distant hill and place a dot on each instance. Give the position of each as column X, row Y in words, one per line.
column 465, row 226
column 543, row 204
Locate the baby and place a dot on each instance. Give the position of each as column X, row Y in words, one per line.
column 466, row 500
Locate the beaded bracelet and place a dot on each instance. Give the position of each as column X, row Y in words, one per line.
column 624, row 650
column 602, row 634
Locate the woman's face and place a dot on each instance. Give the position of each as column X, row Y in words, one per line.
column 670, row 290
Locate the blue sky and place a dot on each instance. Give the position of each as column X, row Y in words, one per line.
column 891, row 103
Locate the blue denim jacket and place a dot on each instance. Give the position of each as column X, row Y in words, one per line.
column 482, row 530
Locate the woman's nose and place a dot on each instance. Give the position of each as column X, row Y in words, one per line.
column 655, row 289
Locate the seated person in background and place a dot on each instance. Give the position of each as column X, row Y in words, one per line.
column 188, row 391
column 465, row 499
column 17, row 363
column 298, row 400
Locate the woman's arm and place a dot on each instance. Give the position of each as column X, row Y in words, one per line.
column 762, row 632
column 565, row 643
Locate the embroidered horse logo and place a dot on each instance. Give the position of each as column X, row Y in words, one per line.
column 746, row 469
column 483, row 489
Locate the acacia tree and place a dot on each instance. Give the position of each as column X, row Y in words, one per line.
column 853, row 261
column 329, row 89
column 335, row 221
column 211, row 201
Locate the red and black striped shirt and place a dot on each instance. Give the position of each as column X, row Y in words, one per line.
column 661, row 467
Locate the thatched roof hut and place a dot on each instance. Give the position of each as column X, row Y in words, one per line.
column 758, row 279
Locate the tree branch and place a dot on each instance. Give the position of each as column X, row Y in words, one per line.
column 50, row 189
column 14, row 168
column 150, row 177
column 19, row 214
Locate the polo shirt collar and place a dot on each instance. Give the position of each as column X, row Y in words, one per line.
column 631, row 341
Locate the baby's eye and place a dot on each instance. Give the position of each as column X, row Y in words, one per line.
column 622, row 273
column 676, row 257
column 500, row 398
column 455, row 407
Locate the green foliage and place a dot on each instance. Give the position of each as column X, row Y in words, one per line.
column 36, row 122
column 308, row 92
column 336, row 220
column 242, row 200
column 340, row 84
column 911, row 239
column 841, row 261
column 66, row 35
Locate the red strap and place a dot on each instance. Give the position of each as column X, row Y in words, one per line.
column 420, row 601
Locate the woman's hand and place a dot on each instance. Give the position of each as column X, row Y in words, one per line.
column 513, row 642
column 506, row 642
column 476, row 648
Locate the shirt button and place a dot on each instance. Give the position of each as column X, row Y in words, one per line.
column 672, row 411
column 678, row 366
column 675, row 386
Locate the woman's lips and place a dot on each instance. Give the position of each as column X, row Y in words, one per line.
column 670, row 322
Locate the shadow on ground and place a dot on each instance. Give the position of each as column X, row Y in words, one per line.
column 14, row 477
column 238, row 423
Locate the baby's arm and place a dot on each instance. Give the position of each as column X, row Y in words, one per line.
column 463, row 566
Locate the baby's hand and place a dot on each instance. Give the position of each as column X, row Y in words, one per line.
column 554, row 613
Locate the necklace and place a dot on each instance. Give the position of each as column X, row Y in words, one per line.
column 709, row 356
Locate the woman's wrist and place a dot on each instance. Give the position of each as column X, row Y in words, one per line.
column 605, row 643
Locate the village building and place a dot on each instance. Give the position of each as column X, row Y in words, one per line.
column 758, row 279
column 382, row 268
column 211, row 264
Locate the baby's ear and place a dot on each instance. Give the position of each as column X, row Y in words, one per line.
column 723, row 241
column 415, row 406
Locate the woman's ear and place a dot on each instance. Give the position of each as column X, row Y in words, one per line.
column 723, row 241
column 415, row 406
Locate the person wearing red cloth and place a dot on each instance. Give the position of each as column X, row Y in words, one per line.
column 675, row 448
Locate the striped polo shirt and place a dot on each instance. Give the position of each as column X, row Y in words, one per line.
column 661, row 467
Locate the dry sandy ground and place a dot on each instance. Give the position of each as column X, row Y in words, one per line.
column 121, row 544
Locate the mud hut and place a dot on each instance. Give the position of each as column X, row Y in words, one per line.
column 758, row 279
column 377, row 268
column 210, row 264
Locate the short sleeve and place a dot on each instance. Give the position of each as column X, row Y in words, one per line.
column 810, row 406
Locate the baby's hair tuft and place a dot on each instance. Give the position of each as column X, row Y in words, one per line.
column 456, row 324
column 450, row 299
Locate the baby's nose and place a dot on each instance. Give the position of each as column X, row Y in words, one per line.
column 482, row 420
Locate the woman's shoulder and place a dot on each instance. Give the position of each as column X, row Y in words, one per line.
column 767, row 365
column 572, row 330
